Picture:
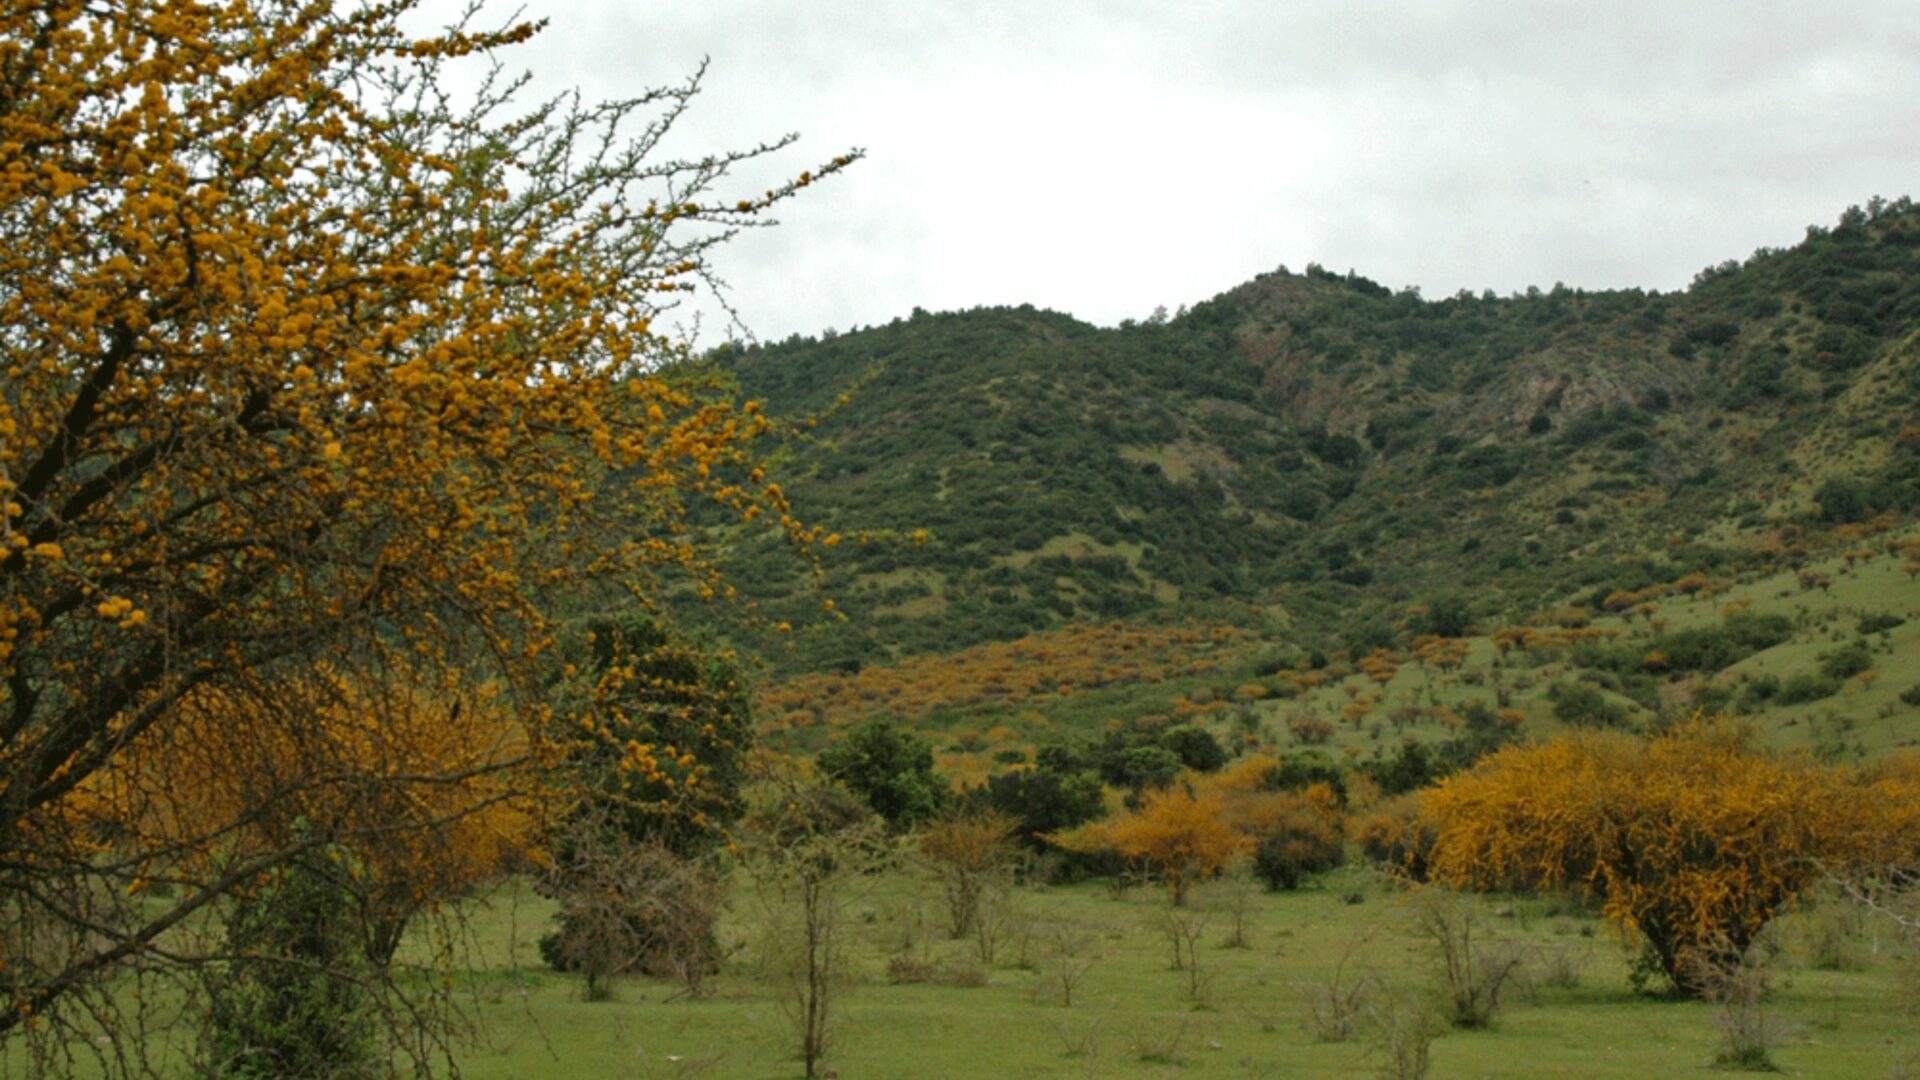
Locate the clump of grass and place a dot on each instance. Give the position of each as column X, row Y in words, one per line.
column 1160, row 1043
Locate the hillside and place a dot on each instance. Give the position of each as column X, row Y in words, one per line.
column 1309, row 453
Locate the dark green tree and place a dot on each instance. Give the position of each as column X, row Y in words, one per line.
column 1843, row 499
column 1196, row 748
column 656, row 731
column 1142, row 767
column 1582, row 705
column 889, row 768
column 1446, row 615
column 1041, row 800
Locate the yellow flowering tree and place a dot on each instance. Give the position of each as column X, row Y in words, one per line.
column 1695, row 838
column 1179, row 837
column 307, row 366
column 428, row 779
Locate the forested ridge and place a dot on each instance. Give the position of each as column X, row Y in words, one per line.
column 1329, row 450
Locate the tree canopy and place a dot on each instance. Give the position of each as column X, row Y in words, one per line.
column 891, row 769
column 312, row 366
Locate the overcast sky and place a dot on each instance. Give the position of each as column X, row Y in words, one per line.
column 1106, row 156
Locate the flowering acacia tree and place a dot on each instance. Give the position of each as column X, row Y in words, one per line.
column 1695, row 838
column 1176, row 836
column 321, row 758
column 307, row 369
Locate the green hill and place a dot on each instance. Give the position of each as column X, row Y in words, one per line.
column 1310, row 453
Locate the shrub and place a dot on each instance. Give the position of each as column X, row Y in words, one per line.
column 810, row 850
column 1846, row 662
column 1695, row 838
column 1807, row 686
column 1843, row 499
column 1474, row 970
column 1758, row 691
column 1301, row 770
column 1396, row 836
column 1403, row 1032
column 1581, row 705
column 1145, row 767
column 1711, row 648
column 1196, row 748
column 1175, row 836
column 294, row 1002
column 1748, row 1032
column 967, row 854
column 1310, row 730
column 1713, row 698
column 1335, row 1005
column 891, row 769
column 1293, row 834
column 631, row 904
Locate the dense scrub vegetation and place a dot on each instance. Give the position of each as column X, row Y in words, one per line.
column 1316, row 441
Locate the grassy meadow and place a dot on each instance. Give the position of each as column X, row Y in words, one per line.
column 1836, row 1003
column 1840, row 982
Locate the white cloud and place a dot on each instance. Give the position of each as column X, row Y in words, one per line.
column 1105, row 157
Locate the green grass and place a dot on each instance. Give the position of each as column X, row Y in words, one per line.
column 1838, row 994
column 1134, row 1014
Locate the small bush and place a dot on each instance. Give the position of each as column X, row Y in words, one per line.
column 908, row 969
column 1294, row 839
column 1879, row 624
column 1196, row 748
column 293, row 1002
column 1713, row 698
column 1070, row 954
column 1748, row 1031
column 1310, row 730
column 968, row 854
column 1395, row 837
column 1807, row 686
column 963, row 974
column 1336, row 1005
column 1474, row 971
column 1160, row 1043
column 1848, row 662
column 1580, row 705
column 1758, row 692
column 1403, row 1034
